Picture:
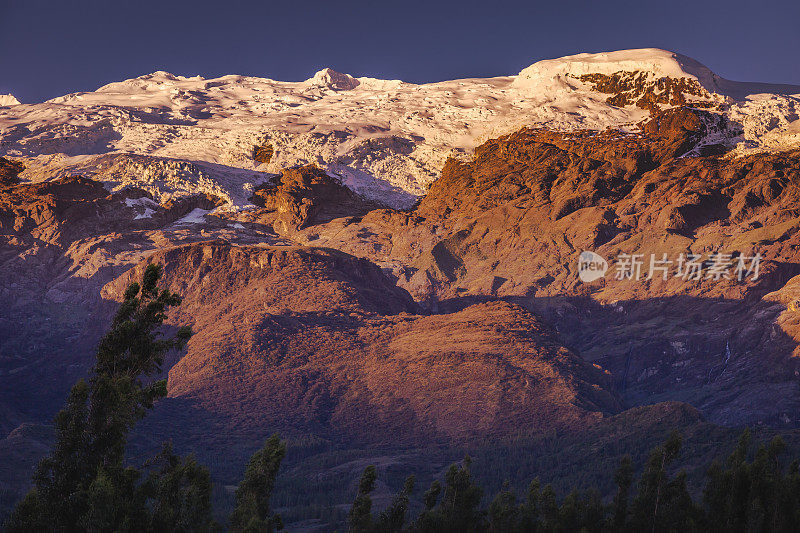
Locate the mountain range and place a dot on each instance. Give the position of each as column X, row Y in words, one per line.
column 387, row 273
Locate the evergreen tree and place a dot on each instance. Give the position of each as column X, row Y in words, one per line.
column 752, row 496
column 568, row 518
column 83, row 484
column 253, row 513
column 431, row 496
column 504, row 514
column 550, row 513
column 623, row 477
column 725, row 495
column 592, row 512
column 180, row 491
column 790, row 499
column 663, row 504
column 393, row 518
column 529, row 510
column 360, row 517
column 458, row 511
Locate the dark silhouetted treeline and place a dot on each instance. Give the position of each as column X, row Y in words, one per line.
column 749, row 492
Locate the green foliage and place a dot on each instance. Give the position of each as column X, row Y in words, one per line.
column 623, row 477
column 663, row 503
column 458, row 510
column 252, row 513
column 28, row 516
column 432, row 495
column 83, row 485
column 744, row 496
column 180, row 492
column 360, row 517
column 755, row 495
column 504, row 514
column 529, row 510
column 391, row 520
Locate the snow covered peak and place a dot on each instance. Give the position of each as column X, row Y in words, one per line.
column 8, row 99
column 159, row 75
column 386, row 139
column 331, row 79
column 595, row 86
column 660, row 63
column 651, row 63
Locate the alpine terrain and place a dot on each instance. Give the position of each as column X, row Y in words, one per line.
column 390, row 274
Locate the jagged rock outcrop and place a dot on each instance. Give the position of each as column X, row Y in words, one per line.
column 305, row 196
column 331, row 79
column 638, row 88
column 60, row 211
column 263, row 153
column 9, row 171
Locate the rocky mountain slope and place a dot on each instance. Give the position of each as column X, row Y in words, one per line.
column 352, row 327
column 331, row 340
column 512, row 223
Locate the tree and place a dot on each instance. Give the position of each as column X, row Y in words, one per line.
column 431, row 496
column 752, row 496
column 569, row 513
column 253, row 513
column 393, row 518
column 623, row 477
column 529, row 510
column 592, row 512
column 504, row 514
column 83, row 484
column 726, row 493
column 180, row 490
column 663, row 504
column 360, row 517
column 458, row 510
column 549, row 508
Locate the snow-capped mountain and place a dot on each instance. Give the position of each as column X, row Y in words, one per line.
column 8, row 100
column 386, row 139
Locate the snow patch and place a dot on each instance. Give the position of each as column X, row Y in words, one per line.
column 144, row 201
column 143, row 204
column 197, row 216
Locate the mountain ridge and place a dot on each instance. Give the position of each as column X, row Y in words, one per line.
column 385, row 139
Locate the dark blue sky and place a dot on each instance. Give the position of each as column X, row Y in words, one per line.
column 51, row 48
